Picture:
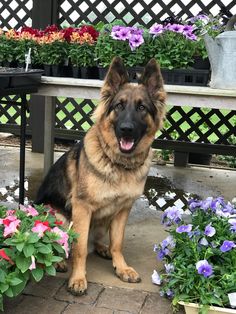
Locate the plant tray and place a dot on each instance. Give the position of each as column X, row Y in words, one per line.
column 18, row 78
column 192, row 77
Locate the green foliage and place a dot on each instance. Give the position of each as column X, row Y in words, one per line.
column 52, row 53
column 82, row 55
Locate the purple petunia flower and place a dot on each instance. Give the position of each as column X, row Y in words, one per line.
column 156, row 29
column 162, row 253
column 204, row 268
column 209, row 230
column 178, row 28
column 233, row 224
column 227, row 246
column 135, row 41
column 168, row 241
column 184, row 228
column 190, row 36
column 172, row 215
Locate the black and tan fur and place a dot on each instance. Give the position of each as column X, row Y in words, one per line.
column 98, row 180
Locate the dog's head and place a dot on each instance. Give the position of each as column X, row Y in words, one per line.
column 130, row 114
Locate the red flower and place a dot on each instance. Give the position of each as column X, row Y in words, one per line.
column 6, row 222
column 5, row 256
column 57, row 222
column 89, row 29
column 67, row 33
column 45, row 223
column 51, row 29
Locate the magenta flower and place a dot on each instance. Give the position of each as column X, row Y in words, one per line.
column 184, row 228
column 227, row 246
column 209, row 230
column 178, row 28
column 204, row 268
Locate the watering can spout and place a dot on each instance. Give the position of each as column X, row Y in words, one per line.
column 213, row 51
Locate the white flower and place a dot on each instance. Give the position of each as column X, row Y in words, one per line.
column 156, row 279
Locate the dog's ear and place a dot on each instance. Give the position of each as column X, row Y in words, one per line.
column 116, row 77
column 152, row 80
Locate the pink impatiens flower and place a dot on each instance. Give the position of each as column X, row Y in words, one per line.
column 63, row 241
column 40, row 227
column 10, row 223
column 29, row 210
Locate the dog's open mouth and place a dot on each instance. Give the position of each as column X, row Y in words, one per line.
column 126, row 144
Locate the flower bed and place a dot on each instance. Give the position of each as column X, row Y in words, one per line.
column 199, row 254
column 32, row 241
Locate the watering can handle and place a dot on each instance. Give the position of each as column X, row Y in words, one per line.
column 230, row 23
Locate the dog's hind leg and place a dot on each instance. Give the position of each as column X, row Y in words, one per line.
column 99, row 232
column 123, row 271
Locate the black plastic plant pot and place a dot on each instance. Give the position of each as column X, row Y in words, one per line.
column 189, row 77
column 47, row 70
column 76, row 72
column 89, row 72
column 102, row 72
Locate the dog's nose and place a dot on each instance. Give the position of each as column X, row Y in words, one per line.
column 127, row 127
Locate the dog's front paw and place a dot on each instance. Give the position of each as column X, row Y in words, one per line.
column 128, row 275
column 77, row 286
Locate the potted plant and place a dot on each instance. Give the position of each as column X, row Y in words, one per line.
column 175, row 47
column 32, row 241
column 82, row 52
column 199, row 255
column 7, row 47
column 116, row 39
column 52, row 50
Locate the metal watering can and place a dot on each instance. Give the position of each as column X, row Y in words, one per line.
column 222, row 56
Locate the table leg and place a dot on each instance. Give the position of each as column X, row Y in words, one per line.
column 49, row 132
column 22, row 149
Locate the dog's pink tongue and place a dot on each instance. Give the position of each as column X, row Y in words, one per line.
column 126, row 144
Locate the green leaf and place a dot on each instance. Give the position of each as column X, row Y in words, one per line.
column 37, row 274
column 45, row 249
column 51, row 270
column 33, row 238
column 19, row 288
column 58, row 248
column 2, row 275
column 20, row 246
column 9, row 292
column 28, row 250
column 3, row 287
column 23, row 263
column 15, row 281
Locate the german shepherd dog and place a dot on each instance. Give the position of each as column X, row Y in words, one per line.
column 96, row 182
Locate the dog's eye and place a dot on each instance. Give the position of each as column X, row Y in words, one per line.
column 119, row 107
column 141, row 108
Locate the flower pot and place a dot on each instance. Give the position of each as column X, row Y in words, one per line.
column 201, row 64
column 189, row 77
column 102, row 72
column 76, row 72
column 47, row 69
column 135, row 73
column 89, row 72
column 56, row 70
column 193, row 308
